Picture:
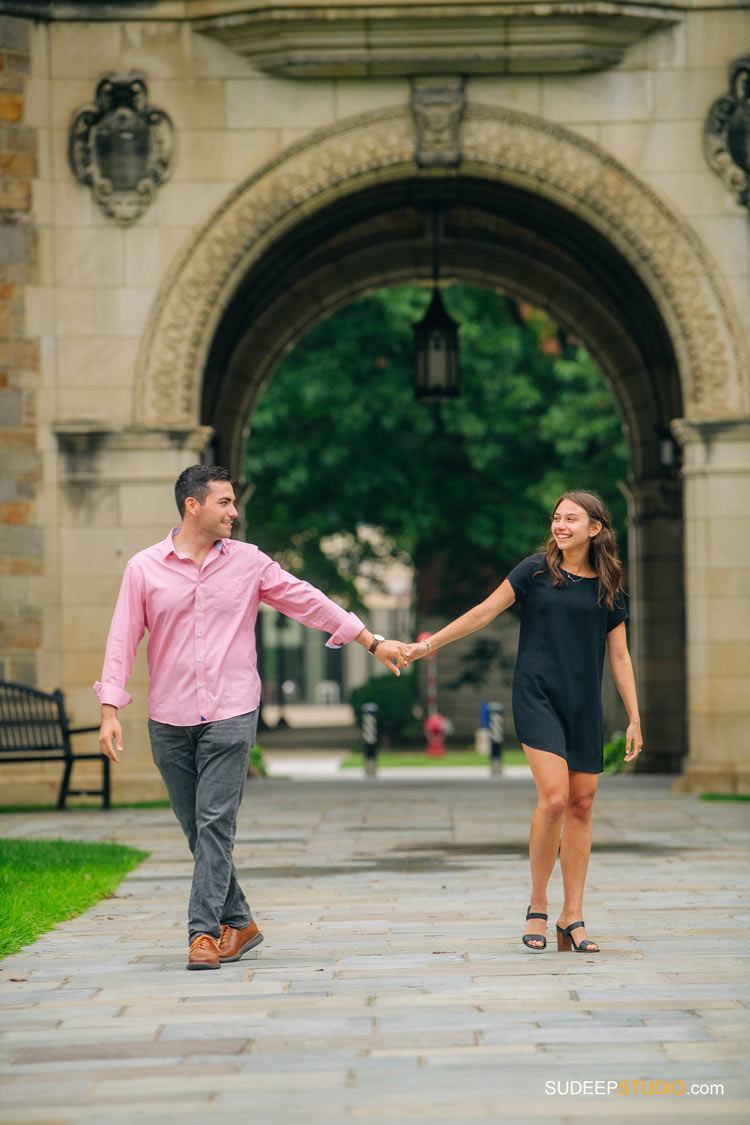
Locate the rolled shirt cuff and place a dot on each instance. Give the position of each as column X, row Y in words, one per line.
column 112, row 694
column 349, row 628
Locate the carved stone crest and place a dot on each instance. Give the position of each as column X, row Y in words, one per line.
column 121, row 147
column 726, row 137
column 437, row 109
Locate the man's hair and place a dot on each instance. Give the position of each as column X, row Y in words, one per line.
column 195, row 481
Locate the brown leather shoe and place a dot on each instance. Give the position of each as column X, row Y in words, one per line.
column 204, row 953
column 233, row 943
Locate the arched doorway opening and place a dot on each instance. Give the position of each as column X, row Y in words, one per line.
column 510, row 241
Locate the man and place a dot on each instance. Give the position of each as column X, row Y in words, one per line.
column 197, row 592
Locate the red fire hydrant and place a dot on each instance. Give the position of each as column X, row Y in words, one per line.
column 435, row 728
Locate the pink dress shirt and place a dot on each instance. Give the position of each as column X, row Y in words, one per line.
column 201, row 624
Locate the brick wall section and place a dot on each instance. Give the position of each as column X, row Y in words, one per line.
column 21, row 541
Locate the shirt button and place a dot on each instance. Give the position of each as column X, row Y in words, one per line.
column 199, row 659
column 200, row 634
column 201, row 685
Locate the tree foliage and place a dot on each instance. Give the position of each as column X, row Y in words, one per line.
column 463, row 489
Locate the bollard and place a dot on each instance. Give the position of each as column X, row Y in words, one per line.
column 497, row 731
column 370, row 737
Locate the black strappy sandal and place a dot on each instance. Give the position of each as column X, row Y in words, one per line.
column 527, row 938
column 566, row 942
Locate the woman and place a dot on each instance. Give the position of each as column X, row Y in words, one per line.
column 572, row 606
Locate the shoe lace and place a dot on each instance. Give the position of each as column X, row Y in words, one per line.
column 205, row 941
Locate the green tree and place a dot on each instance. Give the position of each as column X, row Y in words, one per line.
column 463, row 489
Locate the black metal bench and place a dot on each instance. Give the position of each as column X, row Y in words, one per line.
column 34, row 728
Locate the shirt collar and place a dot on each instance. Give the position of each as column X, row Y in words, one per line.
column 166, row 546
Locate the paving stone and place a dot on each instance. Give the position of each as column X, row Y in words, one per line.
column 388, row 990
column 69, row 1052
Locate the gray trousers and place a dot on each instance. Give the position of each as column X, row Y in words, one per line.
column 204, row 768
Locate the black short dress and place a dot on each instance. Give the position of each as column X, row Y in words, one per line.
column 557, row 685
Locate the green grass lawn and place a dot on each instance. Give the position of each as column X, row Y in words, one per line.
column 422, row 758
column 725, row 796
column 43, row 882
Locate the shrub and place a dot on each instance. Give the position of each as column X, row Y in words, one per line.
column 614, row 753
column 257, row 762
column 395, row 697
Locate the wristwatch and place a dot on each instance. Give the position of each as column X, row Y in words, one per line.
column 376, row 640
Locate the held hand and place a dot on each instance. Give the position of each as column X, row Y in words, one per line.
column 417, row 650
column 633, row 741
column 393, row 654
column 110, row 737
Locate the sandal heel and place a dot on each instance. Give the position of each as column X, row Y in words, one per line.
column 566, row 943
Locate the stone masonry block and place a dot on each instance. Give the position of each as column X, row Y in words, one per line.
column 27, row 567
column 17, row 62
column 11, row 83
column 14, row 33
column 21, row 541
column 15, row 195
column 11, row 107
column 712, row 41
column 24, row 632
column 19, row 353
column 17, row 138
column 16, row 244
column 84, row 50
column 279, row 103
column 15, row 512
column 613, row 96
column 10, row 407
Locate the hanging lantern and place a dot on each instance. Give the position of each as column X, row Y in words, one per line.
column 436, row 341
column 436, row 345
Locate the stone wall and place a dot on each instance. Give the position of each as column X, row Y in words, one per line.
column 21, row 536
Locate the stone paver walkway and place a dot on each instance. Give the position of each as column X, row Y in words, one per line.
column 392, row 985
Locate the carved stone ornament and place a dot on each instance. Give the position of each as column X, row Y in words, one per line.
column 438, row 109
column 121, row 147
column 726, row 137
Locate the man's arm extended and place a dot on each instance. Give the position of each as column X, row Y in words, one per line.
column 126, row 630
column 310, row 606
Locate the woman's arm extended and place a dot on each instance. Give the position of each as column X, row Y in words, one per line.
column 622, row 670
column 476, row 618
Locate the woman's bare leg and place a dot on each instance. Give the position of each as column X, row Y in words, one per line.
column 575, row 847
column 550, row 773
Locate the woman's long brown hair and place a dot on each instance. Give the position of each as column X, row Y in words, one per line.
column 603, row 558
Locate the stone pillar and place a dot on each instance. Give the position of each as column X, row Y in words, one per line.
column 717, row 577
column 113, row 497
column 657, row 629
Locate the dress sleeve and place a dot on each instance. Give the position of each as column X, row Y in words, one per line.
column 521, row 577
column 618, row 613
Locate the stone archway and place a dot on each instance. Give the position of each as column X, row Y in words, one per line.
column 273, row 248
column 498, row 146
